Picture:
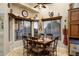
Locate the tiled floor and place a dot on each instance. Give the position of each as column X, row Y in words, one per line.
column 19, row 52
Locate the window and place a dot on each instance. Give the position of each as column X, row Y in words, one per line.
column 47, row 27
column 27, row 29
column 18, row 30
column 56, row 28
column 22, row 29
column 53, row 27
column 35, row 28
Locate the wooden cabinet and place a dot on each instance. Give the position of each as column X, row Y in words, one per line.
column 73, row 28
column 74, row 22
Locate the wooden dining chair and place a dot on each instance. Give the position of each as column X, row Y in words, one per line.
column 54, row 48
column 32, row 41
column 50, row 36
column 26, row 46
column 41, row 35
column 37, row 51
column 36, row 48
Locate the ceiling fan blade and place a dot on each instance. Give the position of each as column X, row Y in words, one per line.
column 46, row 3
column 35, row 6
column 43, row 6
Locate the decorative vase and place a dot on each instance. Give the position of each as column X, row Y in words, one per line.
column 51, row 14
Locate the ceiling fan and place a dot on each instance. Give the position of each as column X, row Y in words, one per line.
column 42, row 5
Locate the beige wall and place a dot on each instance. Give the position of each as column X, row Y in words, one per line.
column 18, row 11
column 1, row 31
column 5, row 47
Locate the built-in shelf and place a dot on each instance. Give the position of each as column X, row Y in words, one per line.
column 52, row 18
column 29, row 19
column 74, row 37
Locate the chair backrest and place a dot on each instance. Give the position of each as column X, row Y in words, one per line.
column 34, row 38
column 41, row 35
column 24, row 37
column 29, row 35
column 49, row 36
column 55, row 42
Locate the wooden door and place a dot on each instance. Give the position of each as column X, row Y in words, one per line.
column 74, row 23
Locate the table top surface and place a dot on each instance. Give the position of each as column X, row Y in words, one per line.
column 42, row 41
